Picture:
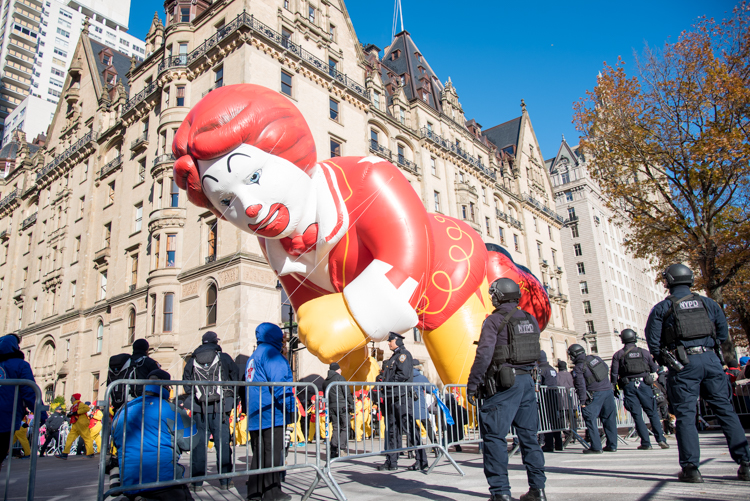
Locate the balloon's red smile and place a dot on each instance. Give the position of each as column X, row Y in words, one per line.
column 273, row 224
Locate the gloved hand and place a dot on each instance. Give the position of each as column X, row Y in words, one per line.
column 471, row 396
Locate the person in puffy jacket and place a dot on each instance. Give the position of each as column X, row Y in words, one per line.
column 13, row 366
column 269, row 410
column 159, row 438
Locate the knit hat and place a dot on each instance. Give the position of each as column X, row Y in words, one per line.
column 334, row 367
column 159, row 374
column 140, row 346
column 76, row 396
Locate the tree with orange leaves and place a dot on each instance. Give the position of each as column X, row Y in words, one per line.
column 671, row 150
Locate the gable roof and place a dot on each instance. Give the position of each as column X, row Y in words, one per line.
column 120, row 61
column 565, row 152
column 504, row 135
column 407, row 65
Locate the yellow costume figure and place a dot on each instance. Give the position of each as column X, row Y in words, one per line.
column 317, row 418
column 357, row 420
column 22, row 435
column 240, row 429
column 79, row 426
column 297, row 435
column 367, row 412
column 95, row 427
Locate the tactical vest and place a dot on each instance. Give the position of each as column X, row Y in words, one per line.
column 523, row 346
column 634, row 362
column 691, row 320
column 597, row 367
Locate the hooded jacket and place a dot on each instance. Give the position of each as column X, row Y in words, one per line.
column 546, row 374
column 339, row 397
column 13, row 366
column 176, row 427
column 268, row 406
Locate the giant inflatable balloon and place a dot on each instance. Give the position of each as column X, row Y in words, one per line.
column 349, row 238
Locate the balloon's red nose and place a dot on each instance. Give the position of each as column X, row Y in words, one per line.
column 253, row 210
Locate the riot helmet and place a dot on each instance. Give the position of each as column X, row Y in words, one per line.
column 503, row 290
column 678, row 274
column 575, row 350
column 628, row 336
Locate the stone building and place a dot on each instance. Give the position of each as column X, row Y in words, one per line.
column 101, row 248
column 609, row 289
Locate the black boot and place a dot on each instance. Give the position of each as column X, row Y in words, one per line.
column 743, row 473
column 534, row 495
column 501, row 497
column 691, row 475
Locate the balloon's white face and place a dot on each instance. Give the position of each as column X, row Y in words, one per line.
column 257, row 192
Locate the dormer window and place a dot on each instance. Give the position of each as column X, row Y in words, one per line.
column 395, row 54
column 111, row 79
column 105, row 56
column 107, row 59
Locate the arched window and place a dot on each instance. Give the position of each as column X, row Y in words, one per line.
column 211, row 305
column 131, row 327
column 99, row 337
column 49, row 394
column 551, row 349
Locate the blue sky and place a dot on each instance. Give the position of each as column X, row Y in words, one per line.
column 497, row 53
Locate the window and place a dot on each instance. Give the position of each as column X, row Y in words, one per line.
column 572, row 213
column 574, row 230
column 180, row 95
column 212, row 240
column 103, row 285
column 171, row 250
column 286, row 83
column 581, row 268
column 590, row 327
column 568, row 196
column 218, row 77
column 286, row 37
column 400, row 152
column 376, row 99
column 437, row 201
column 373, row 139
column 516, row 243
column 286, row 4
column 29, row 241
column 157, row 244
column 168, row 312
column 39, row 268
column 402, row 115
column 311, row 14
column 577, row 249
column 61, row 53
column 185, row 15
column 554, row 258
column 333, row 107
column 501, row 234
column 539, row 250
column 99, row 337
column 332, row 32
column 66, row 14
column 20, row 316
column 124, row 42
column 134, row 270
column 335, row 148
column 463, row 211
column 174, row 195
column 587, row 306
column 107, row 234
column 484, row 194
column 62, row 32
column 211, row 305
column 471, row 211
column 429, row 127
column 138, row 217
column 487, row 225
column 141, row 170
column 332, row 65
column 111, row 193
column 73, row 294
column 131, row 327
column 433, row 166
column 33, row 311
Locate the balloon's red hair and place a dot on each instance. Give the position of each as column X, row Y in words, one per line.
column 230, row 116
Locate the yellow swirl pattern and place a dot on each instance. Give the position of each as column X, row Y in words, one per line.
column 455, row 233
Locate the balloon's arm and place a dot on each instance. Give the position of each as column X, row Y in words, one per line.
column 379, row 306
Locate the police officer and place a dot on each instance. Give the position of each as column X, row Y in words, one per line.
column 631, row 371
column 399, row 404
column 595, row 393
column 547, row 378
column 682, row 332
column 501, row 375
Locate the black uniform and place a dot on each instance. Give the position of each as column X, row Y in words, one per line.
column 547, row 378
column 702, row 375
column 52, row 431
column 340, row 403
column 515, row 405
column 597, row 401
column 631, row 371
column 398, row 406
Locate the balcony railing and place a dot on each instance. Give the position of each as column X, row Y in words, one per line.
column 66, row 154
column 515, row 222
column 9, row 198
column 546, row 210
column 3, row 234
column 130, row 104
column 173, row 62
column 260, row 29
column 440, row 141
column 215, row 86
column 28, row 221
column 163, row 159
column 570, row 220
column 140, row 141
column 131, row 288
column 407, row 164
column 110, row 166
column 501, row 215
column 543, row 263
column 381, row 151
column 211, row 258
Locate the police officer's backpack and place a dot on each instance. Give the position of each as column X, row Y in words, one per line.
column 691, row 320
column 207, row 367
column 634, row 361
column 523, row 340
column 598, row 368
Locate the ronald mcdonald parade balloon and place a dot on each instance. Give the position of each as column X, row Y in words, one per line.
column 349, row 238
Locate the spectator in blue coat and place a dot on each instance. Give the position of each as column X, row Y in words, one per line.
column 426, row 397
column 13, row 366
column 159, row 442
column 268, row 412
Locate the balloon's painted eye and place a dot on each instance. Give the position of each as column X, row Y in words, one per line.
column 255, row 177
column 226, row 201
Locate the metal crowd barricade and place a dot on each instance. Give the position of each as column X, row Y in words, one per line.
column 740, row 399
column 384, row 402
column 284, row 398
column 34, row 442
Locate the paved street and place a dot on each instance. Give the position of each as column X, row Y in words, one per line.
column 628, row 475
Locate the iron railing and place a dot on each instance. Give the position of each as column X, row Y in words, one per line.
column 515, row 222
column 133, row 101
column 211, row 258
column 28, row 221
column 163, row 159
column 90, row 136
column 407, row 164
column 381, row 150
column 110, row 166
column 9, row 198
column 501, row 215
column 173, row 62
column 444, row 143
column 142, row 139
